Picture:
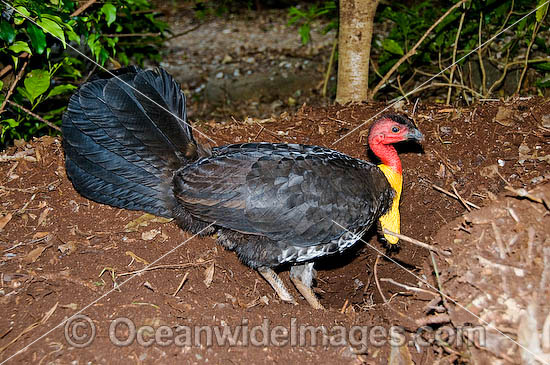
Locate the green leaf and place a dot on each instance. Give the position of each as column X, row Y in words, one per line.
column 19, row 47
column 541, row 11
column 71, row 34
column 304, row 33
column 38, row 38
column 544, row 83
column 12, row 123
column 392, row 46
column 21, row 14
column 544, row 66
column 60, row 89
column 36, row 83
column 7, row 34
column 110, row 13
column 51, row 26
column 1, row 85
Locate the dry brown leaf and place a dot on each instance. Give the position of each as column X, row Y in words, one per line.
column 489, row 171
column 35, row 254
column 143, row 221
column 149, row 235
column 67, row 248
column 209, row 275
column 43, row 215
column 39, row 235
column 5, row 220
column 505, row 116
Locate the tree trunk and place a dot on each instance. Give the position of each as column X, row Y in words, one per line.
column 354, row 44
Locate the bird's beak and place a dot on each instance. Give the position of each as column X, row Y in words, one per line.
column 415, row 135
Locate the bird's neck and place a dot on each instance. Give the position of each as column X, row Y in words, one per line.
column 388, row 156
column 391, row 168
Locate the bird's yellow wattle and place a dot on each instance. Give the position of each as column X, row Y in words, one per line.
column 391, row 220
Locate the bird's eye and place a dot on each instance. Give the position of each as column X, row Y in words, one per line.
column 395, row 129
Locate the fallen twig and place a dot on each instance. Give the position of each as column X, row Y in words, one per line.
column 169, row 266
column 376, row 280
column 454, row 196
column 417, row 242
column 460, row 198
column 408, row 287
column 181, row 283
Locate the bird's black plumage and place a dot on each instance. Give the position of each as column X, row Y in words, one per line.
column 128, row 144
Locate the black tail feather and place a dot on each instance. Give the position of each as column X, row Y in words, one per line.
column 125, row 136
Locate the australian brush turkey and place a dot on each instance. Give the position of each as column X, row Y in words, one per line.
column 128, row 144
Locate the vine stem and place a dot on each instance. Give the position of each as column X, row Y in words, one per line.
column 450, row 90
column 12, row 87
column 329, row 68
column 50, row 124
column 527, row 52
column 412, row 51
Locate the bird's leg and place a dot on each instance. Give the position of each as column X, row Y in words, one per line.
column 302, row 277
column 277, row 284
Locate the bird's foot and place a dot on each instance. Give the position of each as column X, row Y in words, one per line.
column 307, row 293
column 302, row 277
column 277, row 284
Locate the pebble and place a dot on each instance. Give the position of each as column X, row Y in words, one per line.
column 219, row 75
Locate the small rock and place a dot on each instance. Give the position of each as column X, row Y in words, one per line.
column 546, row 121
column 219, row 75
column 445, row 130
column 227, row 58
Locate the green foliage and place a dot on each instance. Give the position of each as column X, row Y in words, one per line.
column 305, row 17
column 115, row 31
column 407, row 23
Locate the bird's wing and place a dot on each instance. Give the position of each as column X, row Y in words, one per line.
column 289, row 193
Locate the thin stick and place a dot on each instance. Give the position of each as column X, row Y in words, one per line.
column 80, row 10
column 454, row 196
column 181, row 283
column 480, row 58
column 12, row 87
column 329, row 68
column 408, row 287
column 50, row 124
column 450, row 90
column 343, row 309
column 412, row 51
column 184, row 32
column 417, row 242
column 533, row 36
column 460, row 198
column 376, row 280
column 174, row 266
column 126, row 35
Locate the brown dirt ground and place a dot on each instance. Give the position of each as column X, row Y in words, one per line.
column 61, row 252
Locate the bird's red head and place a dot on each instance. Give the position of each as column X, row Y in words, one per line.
column 390, row 129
